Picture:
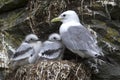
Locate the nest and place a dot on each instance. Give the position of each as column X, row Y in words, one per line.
column 51, row 70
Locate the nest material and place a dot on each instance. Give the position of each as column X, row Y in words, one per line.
column 51, row 70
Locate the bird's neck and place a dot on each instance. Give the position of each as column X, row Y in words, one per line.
column 64, row 27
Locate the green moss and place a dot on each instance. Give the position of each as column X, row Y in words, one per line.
column 112, row 35
column 118, row 39
column 11, row 39
column 2, row 2
column 10, row 5
column 105, row 39
column 112, row 32
column 10, row 20
column 98, row 22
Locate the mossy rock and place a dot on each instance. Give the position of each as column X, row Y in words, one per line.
column 9, row 5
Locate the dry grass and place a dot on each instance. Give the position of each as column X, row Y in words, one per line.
column 51, row 70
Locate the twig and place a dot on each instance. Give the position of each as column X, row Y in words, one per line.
column 82, row 9
column 31, row 24
column 107, row 11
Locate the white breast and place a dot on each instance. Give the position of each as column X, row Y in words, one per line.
column 64, row 27
column 37, row 46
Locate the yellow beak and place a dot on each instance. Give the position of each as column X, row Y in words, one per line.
column 56, row 19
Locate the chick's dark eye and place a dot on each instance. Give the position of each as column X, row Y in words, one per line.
column 64, row 15
column 31, row 39
column 54, row 38
column 31, row 55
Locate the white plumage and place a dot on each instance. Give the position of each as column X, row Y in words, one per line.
column 52, row 48
column 76, row 37
column 29, row 46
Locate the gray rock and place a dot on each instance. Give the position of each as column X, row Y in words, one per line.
column 2, row 75
column 108, row 72
column 9, row 5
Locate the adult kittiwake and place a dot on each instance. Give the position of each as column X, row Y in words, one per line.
column 76, row 37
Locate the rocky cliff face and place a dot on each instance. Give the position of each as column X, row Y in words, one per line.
column 21, row 17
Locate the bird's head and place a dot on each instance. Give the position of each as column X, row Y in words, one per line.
column 54, row 37
column 67, row 16
column 31, row 38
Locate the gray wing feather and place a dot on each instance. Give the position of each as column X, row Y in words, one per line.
column 50, row 45
column 50, row 48
column 24, row 51
column 23, row 46
column 79, row 38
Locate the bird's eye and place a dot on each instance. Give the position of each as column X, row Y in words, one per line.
column 54, row 38
column 64, row 15
column 96, row 55
column 31, row 39
column 31, row 55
